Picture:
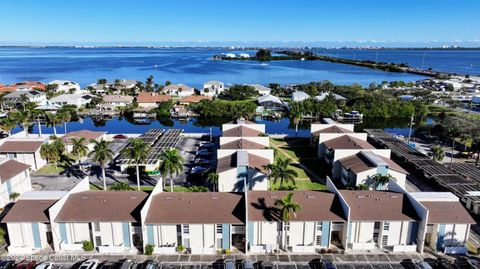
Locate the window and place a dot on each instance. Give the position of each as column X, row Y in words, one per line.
column 98, row 241
column 288, row 240
column 186, row 229
column 219, row 243
column 318, row 240
column 287, row 226
column 384, row 240
column 219, row 229
column 386, row 225
column 186, row 242
column 96, row 226
column 319, row 226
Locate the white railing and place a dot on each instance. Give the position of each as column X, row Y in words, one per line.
column 303, row 249
column 202, row 251
column 20, row 250
column 362, row 246
column 404, row 248
column 164, row 250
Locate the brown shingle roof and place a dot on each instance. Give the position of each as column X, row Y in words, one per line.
column 242, row 144
column 21, row 146
column 229, row 162
column 30, row 211
column 196, row 208
column 332, row 130
column 347, row 142
column 379, row 206
column 152, row 97
column 359, row 163
column 240, row 131
column 10, row 169
column 447, row 212
column 101, row 206
column 82, row 133
column 194, row 99
column 315, row 206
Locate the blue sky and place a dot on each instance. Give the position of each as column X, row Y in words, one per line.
column 239, row 22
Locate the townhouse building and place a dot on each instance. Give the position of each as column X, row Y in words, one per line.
column 24, row 150
column 14, row 179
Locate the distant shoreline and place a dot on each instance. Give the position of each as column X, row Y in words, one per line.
column 236, row 47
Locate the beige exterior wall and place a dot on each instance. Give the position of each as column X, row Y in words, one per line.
column 19, row 183
column 227, row 180
column 398, row 233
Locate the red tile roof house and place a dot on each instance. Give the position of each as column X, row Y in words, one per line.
column 151, row 99
column 28, row 222
column 25, row 150
column 319, row 224
column 14, row 178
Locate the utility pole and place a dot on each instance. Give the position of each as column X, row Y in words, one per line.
column 410, row 131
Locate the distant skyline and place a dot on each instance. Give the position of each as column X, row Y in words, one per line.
column 352, row 23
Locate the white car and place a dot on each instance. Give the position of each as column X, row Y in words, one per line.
column 198, row 170
column 44, row 265
column 201, row 160
column 89, row 264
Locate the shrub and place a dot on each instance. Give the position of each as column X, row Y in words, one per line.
column 227, row 251
column 87, row 246
column 14, row 196
column 148, row 249
column 180, row 248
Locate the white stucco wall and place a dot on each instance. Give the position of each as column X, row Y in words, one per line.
column 19, row 183
column 227, row 180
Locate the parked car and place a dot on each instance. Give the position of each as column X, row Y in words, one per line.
column 196, row 170
column 474, row 264
column 247, row 264
column 229, row 264
column 207, row 145
column 44, row 265
column 120, row 136
column 26, row 265
column 203, row 152
column 267, row 265
column 123, row 264
column 442, row 263
column 409, row 264
column 201, row 160
column 149, row 264
column 106, row 265
column 89, row 264
column 7, row 264
column 328, row 264
column 424, row 265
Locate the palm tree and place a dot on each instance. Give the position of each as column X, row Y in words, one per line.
column 380, row 180
column 464, row 139
column 282, row 172
column 362, row 187
column 65, row 116
column 102, row 154
column 269, row 167
column 213, row 179
column 287, row 206
column 53, row 152
column 137, row 151
column 171, row 163
column 438, row 153
column 79, row 149
column 24, row 101
column 53, row 120
column 7, row 125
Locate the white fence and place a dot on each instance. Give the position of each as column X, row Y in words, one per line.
column 405, row 248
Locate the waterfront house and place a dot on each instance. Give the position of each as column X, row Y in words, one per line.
column 108, row 219
column 262, row 90
column 447, row 223
column 66, row 86
column 28, row 86
column 344, row 146
column 381, row 219
column 24, row 150
column 179, row 90
column 212, row 88
column 299, row 96
column 324, row 95
column 270, row 102
column 78, row 100
column 151, row 99
column 318, row 225
column 28, row 222
column 14, row 178
column 6, row 89
column 117, row 100
column 361, row 167
column 14, row 99
column 87, row 134
column 202, row 222
column 187, row 100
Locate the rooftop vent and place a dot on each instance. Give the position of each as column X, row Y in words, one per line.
column 360, row 196
column 214, row 197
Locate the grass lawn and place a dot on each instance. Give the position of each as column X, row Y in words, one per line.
column 94, row 187
column 188, row 189
column 49, row 169
column 302, row 185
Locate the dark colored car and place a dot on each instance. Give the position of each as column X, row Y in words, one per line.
column 123, row 264
column 149, row 264
column 327, row 264
column 120, row 136
column 7, row 264
column 106, row 265
column 229, row 264
column 267, row 265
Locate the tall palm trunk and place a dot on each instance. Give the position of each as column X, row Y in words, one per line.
column 65, row 126
column 54, row 130
column 25, row 128
column 104, row 179
column 138, row 177
column 171, row 183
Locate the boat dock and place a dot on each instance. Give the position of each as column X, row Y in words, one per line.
column 462, row 179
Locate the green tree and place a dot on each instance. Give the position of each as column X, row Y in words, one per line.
column 171, row 163
column 438, row 153
column 79, row 147
column 52, row 152
column 53, row 120
column 283, row 173
column 137, row 150
column 102, row 154
column 287, row 207
column 264, row 54
column 213, row 180
column 120, row 186
column 149, row 84
column 7, row 125
column 239, row 92
column 101, row 81
column 380, row 180
column 24, row 101
column 64, row 117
